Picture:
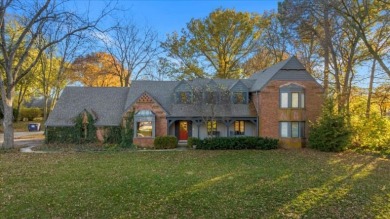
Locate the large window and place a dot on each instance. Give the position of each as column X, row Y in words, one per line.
column 239, row 128
column 144, row 122
column 292, row 129
column 144, row 129
column 292, row 96
column 212, row 128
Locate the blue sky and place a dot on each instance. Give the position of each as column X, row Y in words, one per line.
column 168, row 16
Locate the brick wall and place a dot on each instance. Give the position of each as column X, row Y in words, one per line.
column 145, row 102
column 270, row 113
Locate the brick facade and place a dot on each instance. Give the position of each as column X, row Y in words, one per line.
column 270, row 113
column 145, row 102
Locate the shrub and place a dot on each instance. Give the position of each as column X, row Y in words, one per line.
column 165, row 142
column 193, row 141
column 30, row 113
column 113, row 135
column 237, row 143
column 331, row 132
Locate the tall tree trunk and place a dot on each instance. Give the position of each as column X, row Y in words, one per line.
column 326, row 50
column 368, row 107
column 8, row 119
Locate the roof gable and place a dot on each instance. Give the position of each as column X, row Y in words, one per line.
column 289, row 69
column 183, row 86
column 239, row 86
column 145, row 97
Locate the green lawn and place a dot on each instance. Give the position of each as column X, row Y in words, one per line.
column 194, row 184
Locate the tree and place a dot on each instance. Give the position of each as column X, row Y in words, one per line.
column 307, row 19
column 96, row 70
column 132, row 50
column 330, row 132
column 219, row 44
column 381, row 97
column 365, row 17
column 210, row 100
column 36, row 19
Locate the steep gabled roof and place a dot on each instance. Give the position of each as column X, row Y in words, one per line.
column 106, row 103
column 289, row 69
column 161, row 91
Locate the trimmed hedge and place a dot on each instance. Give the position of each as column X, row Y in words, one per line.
column 191, row 141
column 237, row 143
column 165, row 142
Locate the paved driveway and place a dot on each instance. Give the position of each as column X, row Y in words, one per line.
column 23, row 138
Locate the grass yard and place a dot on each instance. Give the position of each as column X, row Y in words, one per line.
column 194, row 184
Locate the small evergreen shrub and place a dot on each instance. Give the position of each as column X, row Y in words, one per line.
column 165, row 142
column 330, row 133
column 237, row 143
column 30, row 113
column 191, row 141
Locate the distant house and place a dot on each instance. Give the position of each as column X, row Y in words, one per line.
column 277, row 102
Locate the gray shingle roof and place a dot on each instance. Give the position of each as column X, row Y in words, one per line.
column 106, row 103
column 161, row 91
column 289, row 69
column 109, row 104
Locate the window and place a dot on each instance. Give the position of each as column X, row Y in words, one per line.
column 284, row 100
column 284, row 129
column 292, row 129
column 292, row 96
column 294, row 100
column 144, row 122
column 239, row 128
column 239, row 97
column 144, row 129
column 184, row 97
column 211, row 127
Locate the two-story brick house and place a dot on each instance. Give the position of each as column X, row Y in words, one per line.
column 277, row 102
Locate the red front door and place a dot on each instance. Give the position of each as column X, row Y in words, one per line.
column 183, row 130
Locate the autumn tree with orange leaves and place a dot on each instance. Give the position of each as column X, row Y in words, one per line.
column 96, row 70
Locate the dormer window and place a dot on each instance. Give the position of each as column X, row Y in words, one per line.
column 239, row 97
column 184, row 97
column 292, row 96
column 239, row 92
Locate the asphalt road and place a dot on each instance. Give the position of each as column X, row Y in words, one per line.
column 23, row 138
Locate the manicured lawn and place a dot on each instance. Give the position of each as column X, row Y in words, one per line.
column 194, row 184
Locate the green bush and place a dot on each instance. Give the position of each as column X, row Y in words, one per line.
column 330, row 133
column 191, row 141
column 237, row 143
column 113, row 135
column 30, row 113
column 165, row 142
